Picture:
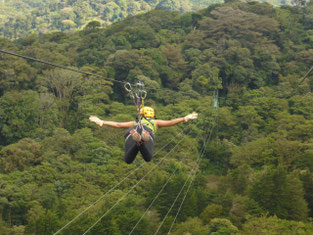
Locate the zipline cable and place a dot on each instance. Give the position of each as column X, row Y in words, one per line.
column 60, row 66
column 80, row 71
column 182, row 92
column 161, row 191
column 214, row 123
column 174, row 202
column 115, row 186
column 304, row 77
column 197, row 164
column 88, row 74
column 193, row 169
column 156, row 196
column 134, row 186
column 181, row 204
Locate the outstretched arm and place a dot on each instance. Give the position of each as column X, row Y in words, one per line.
column 163, row 123
column 101, row 123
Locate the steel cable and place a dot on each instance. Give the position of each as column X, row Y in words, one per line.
column 80, row 71
column 197, row 164
column 187, row 189
column 134, row 186
column 115, row 186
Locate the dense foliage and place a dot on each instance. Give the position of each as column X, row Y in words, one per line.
column 19, row 18
column 256, row 176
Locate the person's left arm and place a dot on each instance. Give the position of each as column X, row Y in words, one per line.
column 173, row 122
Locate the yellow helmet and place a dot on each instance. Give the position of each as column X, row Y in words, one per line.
column 147, row 112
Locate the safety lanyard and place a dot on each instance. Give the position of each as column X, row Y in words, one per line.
column 140, row 94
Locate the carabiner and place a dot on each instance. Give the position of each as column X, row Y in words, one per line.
column 140, row 85
column 143, row 94
column 129, row 88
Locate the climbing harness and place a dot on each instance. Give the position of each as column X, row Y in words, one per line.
column 140, row 94
column 149, row 123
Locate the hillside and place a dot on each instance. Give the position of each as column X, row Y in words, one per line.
column 20, row 18
column 256, row 172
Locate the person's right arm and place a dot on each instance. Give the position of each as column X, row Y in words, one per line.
column 101, row 123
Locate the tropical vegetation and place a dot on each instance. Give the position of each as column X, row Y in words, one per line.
column 256, row 172
column 19, row 18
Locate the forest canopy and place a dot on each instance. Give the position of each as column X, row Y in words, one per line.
column 256, row 173
column 20, row 18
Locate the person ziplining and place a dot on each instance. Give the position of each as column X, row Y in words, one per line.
column 140, row 136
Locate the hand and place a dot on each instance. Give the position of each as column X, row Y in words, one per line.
column 96, row 120
column 191, row 116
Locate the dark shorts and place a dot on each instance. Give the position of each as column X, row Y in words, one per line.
column 132, row 147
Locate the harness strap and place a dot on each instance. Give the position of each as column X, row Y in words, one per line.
column 153, row 124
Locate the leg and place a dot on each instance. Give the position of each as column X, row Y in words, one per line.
column 131, row 147
column 146, row 149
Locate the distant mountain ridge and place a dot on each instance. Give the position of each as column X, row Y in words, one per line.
column 19, row 18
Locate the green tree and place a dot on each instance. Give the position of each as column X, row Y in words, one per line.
column 222, row 226
column 254, row 153
column 307, row 180
column 206, row 78
column 243, row 208
column 65, row 86
column 92, row 25
column 238, row 179
column 21, row 155
column 274, row 191
column 16, row 74
column 191, row 226
column 19, row 115
column 275, row 225
column 210, row 212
